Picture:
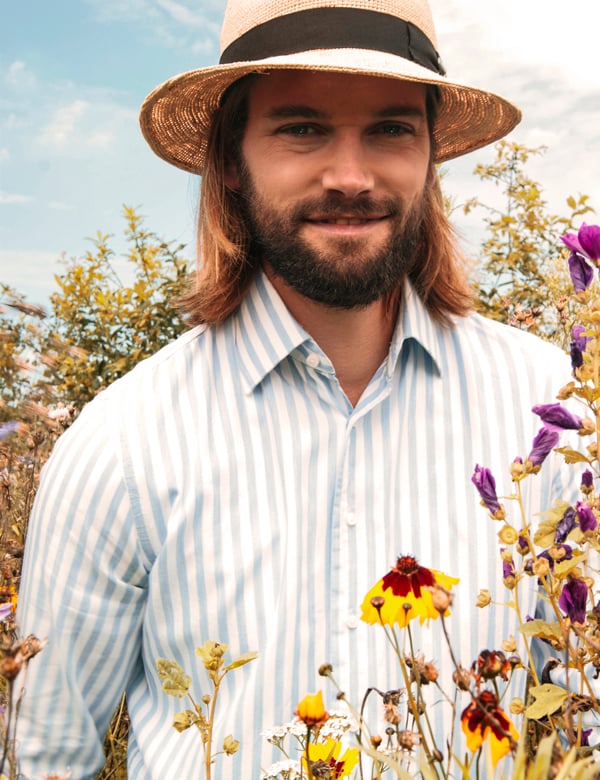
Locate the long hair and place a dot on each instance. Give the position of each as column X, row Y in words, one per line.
column 225, row 266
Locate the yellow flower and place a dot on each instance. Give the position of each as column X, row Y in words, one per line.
column 311, row 709
column 327, row 754
column 404, row 594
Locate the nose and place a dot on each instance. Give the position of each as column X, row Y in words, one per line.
column 347, row 169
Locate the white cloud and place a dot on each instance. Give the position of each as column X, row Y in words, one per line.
column 63, row 124
column 30, row 272
column 7, row 198
column 18, row 76
column 181, row 13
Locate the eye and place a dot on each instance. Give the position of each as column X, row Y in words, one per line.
column 299, row 130
column 394, row 129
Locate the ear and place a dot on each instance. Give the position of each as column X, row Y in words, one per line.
column 431, row 175
column 232, row 176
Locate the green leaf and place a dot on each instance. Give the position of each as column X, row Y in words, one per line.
column 243, row 659
column 175, row 681
column 548, row 699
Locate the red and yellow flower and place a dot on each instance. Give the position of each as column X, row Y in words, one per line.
column 484, row 718
column 327, row 755
column 404, row 594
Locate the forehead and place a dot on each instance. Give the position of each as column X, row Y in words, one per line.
column 333, row 93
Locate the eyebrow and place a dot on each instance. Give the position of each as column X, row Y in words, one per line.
column 309, row 112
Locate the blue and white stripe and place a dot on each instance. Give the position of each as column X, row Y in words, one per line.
column 226, row 489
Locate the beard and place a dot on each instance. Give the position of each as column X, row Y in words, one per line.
column 350, row 272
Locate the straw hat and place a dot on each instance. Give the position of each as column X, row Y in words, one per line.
column 390, row 38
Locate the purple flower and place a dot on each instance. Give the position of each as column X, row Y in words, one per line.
column 571, row 241
column 556, row 416
column 585, row 737
column 582, row 274
column 545, row 440
column 484, row 481
column 587, row 480
column 7, row 428
column 6, row 611
column 586, row 516
column 523, row 544
column 508, row 569
column 573, row 599
column 589, row 241
column 565, row 525
column 578, row 345
column 566, row 549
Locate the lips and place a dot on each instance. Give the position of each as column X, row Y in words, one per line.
column 345, row 220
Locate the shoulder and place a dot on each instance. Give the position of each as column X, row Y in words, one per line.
column 496, row 335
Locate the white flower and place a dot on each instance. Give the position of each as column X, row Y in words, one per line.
column 282, row 770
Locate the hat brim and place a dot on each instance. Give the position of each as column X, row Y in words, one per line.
column 175, row 118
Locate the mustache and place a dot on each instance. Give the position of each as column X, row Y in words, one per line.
column 334, row 205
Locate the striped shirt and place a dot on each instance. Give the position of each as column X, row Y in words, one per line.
column 226, row 489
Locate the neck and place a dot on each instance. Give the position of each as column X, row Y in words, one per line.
column 356, row 341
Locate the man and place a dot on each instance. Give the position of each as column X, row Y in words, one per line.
column 251, row 482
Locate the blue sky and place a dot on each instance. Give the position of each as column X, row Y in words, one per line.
column 73, row 74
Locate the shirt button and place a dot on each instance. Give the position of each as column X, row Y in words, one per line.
column 352, row 621
column 350, row 518
column 313, row 360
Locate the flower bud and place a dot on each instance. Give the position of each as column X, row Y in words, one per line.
column 311, row 709
column 441, row 598
column 484, row 598
column 517, row 706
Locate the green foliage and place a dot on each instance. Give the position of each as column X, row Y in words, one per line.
column 521, row 270
column 98, row 327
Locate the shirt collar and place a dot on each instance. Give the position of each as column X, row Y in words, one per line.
column 266, row 333
column 415, row 325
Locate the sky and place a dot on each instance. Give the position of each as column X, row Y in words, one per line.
column 73, row 74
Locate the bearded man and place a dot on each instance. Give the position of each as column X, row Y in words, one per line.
column 322, row 417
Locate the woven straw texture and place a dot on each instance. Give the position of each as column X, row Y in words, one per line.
column 175, row 118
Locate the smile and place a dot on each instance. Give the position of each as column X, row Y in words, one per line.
column 346, row 220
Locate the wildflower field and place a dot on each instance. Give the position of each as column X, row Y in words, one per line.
column 98, row 326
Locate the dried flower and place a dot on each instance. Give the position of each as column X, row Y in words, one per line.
column 407, row 740
column 490, row 664
column 462, row 678
column 230, row 745
column 441, row 598
column 483, row 598
column 508, row 535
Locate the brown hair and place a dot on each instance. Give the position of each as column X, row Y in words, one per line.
column 226, row 268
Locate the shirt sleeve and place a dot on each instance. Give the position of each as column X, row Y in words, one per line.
column 84, row 588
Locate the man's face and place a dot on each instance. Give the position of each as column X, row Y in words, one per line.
column 332, row 176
